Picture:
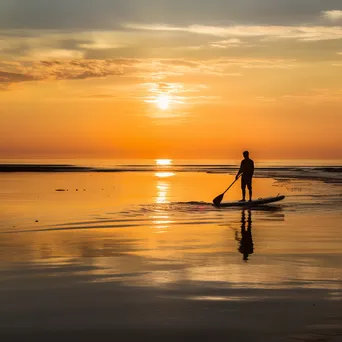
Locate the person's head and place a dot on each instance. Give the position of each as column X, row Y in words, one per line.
column 246, row 154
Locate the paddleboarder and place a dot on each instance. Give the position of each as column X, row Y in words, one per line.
column 247, row 171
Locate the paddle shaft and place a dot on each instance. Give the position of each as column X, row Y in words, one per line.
column 231, row 185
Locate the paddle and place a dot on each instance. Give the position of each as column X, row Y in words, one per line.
column 217, row 201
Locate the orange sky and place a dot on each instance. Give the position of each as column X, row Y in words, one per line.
column 171, row 86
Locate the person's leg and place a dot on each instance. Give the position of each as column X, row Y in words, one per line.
column 243, row 188
column 249, row 185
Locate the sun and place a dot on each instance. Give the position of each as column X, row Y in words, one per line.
column 163, row 102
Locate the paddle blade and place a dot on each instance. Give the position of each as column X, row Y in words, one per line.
column 217, row 201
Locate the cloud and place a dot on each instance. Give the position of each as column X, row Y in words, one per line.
column 109, row 14
column 54, row 44
column 60, row 70
column 335, row 15
column 164, row 41
column 152, row 69
column 317, row 96
column 223, row 44
column 303, row 33
column 45, row 54
column 176, row 93
column 310, row 97
column 158, row 69
column 11, row 77
column 254, row 63
column 173, row 88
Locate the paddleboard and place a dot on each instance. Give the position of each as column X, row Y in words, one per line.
column 259, row 201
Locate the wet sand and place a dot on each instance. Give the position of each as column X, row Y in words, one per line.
column 146, row 256
column 111, row 310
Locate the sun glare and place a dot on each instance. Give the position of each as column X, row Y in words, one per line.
column 163, row 162
column 164, row 174
column 163, row 102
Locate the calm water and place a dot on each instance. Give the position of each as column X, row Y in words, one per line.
column 155, row 237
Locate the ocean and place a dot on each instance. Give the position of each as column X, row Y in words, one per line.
column 136, row 248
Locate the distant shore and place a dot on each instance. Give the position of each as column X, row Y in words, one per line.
column 329, row 174
column 139, row 168
column 43, row 168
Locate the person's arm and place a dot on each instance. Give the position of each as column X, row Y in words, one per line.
column 240, row 171
column 252, row 168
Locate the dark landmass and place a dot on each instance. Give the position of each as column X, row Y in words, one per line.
column 42, row 168
column 326, row 173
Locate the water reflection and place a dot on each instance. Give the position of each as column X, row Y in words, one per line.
column 246, row 246
column 162, row 189
column 164, row 174
column 162, row 220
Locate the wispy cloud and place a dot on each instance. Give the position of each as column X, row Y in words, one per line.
column 153, row 69
column 12, row 77
column 255, row 63
column 223, row 44
column 317, row 96
column 108, row 14
column 59, row 70
column 54, row 44
column 54, row 54
column 309, row 97
column 334, row 15
column 303, row 33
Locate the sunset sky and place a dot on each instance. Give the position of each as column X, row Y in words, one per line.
column 170, row 78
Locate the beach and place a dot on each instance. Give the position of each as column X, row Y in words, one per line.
column 138, row 251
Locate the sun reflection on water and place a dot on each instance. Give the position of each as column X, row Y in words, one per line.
column 163, row 186
column 164, row 174
column 162, row 189
column 161, row 221
column 163, row 162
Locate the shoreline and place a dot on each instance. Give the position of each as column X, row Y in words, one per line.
column 327, row 174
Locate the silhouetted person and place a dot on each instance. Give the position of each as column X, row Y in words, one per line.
column 247, row 170
column 246, row 242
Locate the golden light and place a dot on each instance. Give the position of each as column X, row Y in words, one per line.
column 163, row 162
column 163, row 102
column 164, row 174
column 162, row 193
